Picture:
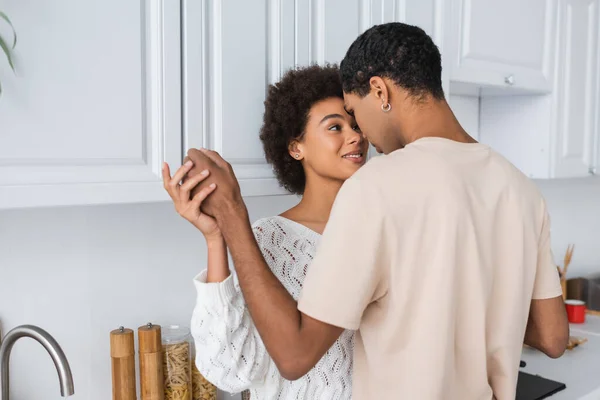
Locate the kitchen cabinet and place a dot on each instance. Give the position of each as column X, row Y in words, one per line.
column 498, row 45
column 94, row 108
column 556, row 135
column 576, row 123
column 90, row 118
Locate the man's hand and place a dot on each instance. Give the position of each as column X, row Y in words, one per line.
column 226, row 201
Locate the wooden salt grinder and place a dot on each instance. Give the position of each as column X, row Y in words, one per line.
column 151, row 362
column 122, row 355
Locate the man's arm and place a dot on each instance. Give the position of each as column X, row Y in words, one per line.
column 295, row 341
column 547, row 327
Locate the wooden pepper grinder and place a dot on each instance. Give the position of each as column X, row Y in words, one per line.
column 151, row 362
column 122, row 355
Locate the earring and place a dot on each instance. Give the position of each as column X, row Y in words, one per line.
column 386, row 107
column 297, row 155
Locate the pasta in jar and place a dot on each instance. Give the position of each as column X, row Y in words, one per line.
column 202, row 389
column 177, row 363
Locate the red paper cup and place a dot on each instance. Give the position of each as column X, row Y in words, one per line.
column 575, row 311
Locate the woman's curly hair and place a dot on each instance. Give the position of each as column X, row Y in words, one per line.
column 287, row 106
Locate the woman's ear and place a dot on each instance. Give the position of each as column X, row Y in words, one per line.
column 295, row 150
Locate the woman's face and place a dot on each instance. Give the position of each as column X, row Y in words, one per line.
column 333, row 146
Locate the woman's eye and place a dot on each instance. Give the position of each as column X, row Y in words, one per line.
column 357, row 128
column 335, row 128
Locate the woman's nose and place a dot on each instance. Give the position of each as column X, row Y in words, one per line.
column 355, row 137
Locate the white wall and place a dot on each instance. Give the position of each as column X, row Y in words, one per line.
column 81, row 272
column 466, row 110
column 574, row 206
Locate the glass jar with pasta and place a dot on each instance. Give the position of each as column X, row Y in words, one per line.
column 177, row 362
column 202, row 389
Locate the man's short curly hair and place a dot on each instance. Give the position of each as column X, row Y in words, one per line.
column 287, row 107
column 403, row 53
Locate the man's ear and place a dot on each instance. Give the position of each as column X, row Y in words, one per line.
column 379, row 89
column 295, row 150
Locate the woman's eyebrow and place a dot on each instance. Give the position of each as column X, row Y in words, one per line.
column 325, row 118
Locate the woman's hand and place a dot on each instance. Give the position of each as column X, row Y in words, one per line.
column 190, row 208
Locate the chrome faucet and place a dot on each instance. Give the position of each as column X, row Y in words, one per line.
column 46, row 340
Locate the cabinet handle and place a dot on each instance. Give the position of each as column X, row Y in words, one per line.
column 509, row 80
column 592, row 170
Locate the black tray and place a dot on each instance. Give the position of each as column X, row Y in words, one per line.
column 534, row 387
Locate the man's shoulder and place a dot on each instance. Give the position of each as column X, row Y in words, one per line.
column 515, row 176
column 382, row 165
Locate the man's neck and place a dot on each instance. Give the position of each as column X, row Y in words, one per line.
column 433, row 119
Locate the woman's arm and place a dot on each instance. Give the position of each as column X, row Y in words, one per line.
column 229, row 350
column 218, row 265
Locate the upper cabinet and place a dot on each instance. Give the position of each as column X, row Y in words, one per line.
column 90, row 117
column 94, row 107
column 555, row 135
column 497, row 45
column 576, row 113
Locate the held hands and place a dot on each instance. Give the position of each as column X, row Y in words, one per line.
column 190, row 209
column 196, row 199
column 227, row 200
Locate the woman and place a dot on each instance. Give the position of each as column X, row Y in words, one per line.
column 313, row 146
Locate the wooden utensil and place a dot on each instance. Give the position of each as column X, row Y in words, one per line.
column 562, row 273
column 567, row 260
column 151, row 362
column 123, row 364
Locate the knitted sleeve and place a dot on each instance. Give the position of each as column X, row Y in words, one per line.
column 229, row 350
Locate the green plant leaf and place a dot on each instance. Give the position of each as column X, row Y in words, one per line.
column 7, row 52
column 5, row 17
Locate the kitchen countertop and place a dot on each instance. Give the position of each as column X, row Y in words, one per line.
column 579, row 368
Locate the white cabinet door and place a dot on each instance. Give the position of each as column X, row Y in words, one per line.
column 94, row 107
column 577, row 88
column 227, row 62
column 555, row 136
column 506, row 44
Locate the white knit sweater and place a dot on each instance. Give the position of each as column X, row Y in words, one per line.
column 230, row 352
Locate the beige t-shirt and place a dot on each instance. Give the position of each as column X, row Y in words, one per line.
column 434, row 253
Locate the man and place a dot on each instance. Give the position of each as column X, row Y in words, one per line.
column 438, row 253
